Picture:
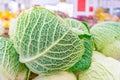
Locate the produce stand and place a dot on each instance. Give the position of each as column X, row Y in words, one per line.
column 37, row 43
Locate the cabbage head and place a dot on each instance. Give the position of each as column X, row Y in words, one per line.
column 106, row 37
column 102, row 68
column 46, row 44
column 10, row 67
column 59, row 76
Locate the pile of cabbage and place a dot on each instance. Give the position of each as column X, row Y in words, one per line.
column 59, row 49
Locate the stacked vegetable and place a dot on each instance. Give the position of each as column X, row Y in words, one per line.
column 10, row 67
column 106, row 37
column 54, row 48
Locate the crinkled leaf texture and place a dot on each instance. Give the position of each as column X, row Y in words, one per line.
column 46, row 44
column 10, row 67
column 106, row 37
column 85, row 61
column 58, row 76
column 102, row 68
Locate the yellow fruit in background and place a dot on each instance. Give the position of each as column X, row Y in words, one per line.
column 12, row 15
column 6, row 24
column 6, row 14
column 5, row 18
column 0, row 15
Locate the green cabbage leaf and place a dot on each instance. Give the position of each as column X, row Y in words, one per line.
column 10, row 67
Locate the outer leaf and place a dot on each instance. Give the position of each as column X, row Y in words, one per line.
column 10, row 67
column 85, row 61
column 87, row 26
column 107, row 38
column 77, row 24
column 45, row 43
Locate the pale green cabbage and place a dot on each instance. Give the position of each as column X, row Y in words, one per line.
column 58, row 76
column 46, row 44
column 106, row 37
column 102, row 68
column 10, row 67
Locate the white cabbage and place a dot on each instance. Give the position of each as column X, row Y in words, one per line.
column 58, row 76
column 102, row 68
column 106, row 37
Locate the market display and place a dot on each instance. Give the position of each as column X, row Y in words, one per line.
column 53, row 48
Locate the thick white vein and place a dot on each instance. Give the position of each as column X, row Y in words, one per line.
column 64, row 44
column 54, row 31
